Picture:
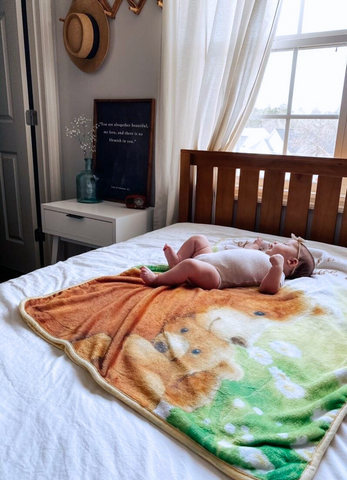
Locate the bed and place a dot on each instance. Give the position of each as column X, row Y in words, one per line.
column 59, row 421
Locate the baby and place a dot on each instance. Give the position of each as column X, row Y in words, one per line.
column 260, row 264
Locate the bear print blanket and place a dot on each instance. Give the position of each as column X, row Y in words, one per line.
column 256, row 384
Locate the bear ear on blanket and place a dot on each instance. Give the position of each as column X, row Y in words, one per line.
column 93, row 348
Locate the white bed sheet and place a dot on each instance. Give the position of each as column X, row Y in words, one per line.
column 57, row 423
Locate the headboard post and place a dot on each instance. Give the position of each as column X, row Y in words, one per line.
column 185, row 192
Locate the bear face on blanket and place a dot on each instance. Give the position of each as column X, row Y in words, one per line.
column 184, row 365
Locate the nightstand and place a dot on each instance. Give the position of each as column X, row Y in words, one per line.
column 93, row 224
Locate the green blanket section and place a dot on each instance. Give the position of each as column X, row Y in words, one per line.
column 269, row 423
column 156, row 268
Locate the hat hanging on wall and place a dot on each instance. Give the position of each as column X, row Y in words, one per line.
column 86, row 34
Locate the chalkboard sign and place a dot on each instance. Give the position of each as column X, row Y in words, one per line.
column 124, row 143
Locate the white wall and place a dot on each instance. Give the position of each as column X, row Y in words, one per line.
column 130, row 70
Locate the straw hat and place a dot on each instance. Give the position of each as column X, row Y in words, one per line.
column 86, row 34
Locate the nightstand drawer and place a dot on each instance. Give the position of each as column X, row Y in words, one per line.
column 78, row 227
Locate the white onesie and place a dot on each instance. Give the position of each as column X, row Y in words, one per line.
column 239, row 267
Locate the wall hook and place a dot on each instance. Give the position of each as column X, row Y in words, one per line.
column 111, row 11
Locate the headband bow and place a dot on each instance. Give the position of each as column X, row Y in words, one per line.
column 299, row 239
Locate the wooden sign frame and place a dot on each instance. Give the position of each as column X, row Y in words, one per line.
column 124, row 147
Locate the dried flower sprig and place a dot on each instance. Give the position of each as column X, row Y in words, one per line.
column 85, row 132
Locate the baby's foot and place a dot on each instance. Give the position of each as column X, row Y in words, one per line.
column 148, row 276
column 170, row 255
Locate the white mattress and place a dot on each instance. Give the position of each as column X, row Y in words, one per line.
column 57, row 423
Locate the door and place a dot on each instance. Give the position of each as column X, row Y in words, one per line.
column 18, row 249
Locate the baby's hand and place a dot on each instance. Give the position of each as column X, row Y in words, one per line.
column 277, row 260
column 256, row 245
column 259, row 241
column 262, row 244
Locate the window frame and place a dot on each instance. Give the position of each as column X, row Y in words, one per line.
column 305, row 41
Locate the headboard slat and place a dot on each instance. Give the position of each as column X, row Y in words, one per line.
column 272, row 200
column 298, row 204
column 225, row 196
column 247, row 199
column 343, row 232
column 204, row 195
column 326, row 208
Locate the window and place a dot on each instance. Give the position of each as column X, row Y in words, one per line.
column 301, row 108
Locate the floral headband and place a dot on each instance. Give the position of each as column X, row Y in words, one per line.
column 300, row 242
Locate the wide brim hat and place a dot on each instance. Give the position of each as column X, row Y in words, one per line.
column 86, row 34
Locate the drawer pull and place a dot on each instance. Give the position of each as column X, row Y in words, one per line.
column 74, row 216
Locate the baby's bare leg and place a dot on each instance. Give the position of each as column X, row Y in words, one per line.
column 148, row 276
column 199, row 274
column 170, row 255
column 195, row 245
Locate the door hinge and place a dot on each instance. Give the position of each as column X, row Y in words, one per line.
column 31, row 117
column 39, row 235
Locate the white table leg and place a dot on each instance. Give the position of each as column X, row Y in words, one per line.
column 55, row 247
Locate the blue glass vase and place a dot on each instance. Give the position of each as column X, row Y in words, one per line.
column 86, row 184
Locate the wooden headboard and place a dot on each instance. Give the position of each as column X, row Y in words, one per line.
column 308, row 206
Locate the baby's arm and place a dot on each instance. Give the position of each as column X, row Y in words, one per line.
column 272, row 281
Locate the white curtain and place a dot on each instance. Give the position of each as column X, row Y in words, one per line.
column 213, row 57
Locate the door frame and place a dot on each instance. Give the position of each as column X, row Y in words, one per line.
column 42, row 43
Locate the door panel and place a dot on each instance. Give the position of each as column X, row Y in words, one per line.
column 18, row 249
column 6, row 110
column 11, row 198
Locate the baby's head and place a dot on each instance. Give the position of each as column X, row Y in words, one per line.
column 298, row 260
column 306, row 262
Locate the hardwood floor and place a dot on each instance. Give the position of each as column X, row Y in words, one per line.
column 8, row 274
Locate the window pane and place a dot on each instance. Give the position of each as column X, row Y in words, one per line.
column 314, row 137
column 324, row 15
column 289, row 18
column 262, row 136
column 319, row 80
column 273, row 94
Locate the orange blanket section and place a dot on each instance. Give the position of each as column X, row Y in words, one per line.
column 121, row 327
